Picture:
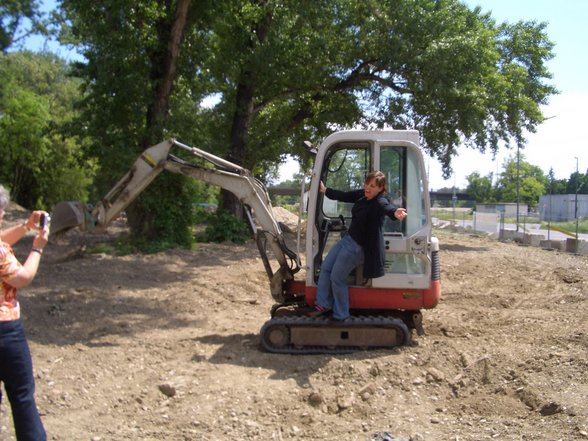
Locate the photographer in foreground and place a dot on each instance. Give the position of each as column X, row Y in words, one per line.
column 16, row 367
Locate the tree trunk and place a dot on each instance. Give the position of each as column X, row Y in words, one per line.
column 142, row 217
column 244, row 109
column 238, row 151
column 164, row 68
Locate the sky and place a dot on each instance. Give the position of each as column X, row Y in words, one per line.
column 558, row 142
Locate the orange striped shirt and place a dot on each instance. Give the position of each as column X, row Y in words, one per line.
column 9, row 265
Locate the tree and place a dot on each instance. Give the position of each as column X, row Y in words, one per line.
column 583, row 187
column 267, row 61
column 41, row 163
column 577, row 182
column 532, row 182
column 449, row 72
column 480, row 187
column 134, row 81
column 556, row 186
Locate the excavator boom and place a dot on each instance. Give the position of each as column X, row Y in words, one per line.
column 217, row 171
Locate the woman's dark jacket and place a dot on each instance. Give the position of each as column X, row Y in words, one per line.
column 367, row 219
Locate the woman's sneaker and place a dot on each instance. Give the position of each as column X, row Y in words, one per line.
column 319, row 311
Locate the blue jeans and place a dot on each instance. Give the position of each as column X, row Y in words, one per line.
column 16, row 372
column 332, row 289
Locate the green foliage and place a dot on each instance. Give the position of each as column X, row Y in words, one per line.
column 578, row 182
column 532, row 183
column 289, row 202
column 223, row 226
column 480, row 187
column 556, row 186
column 295, row 71
column 529, row 179
column 127, row 106
column 41, row 163
column 453, row 215
column 171, row 197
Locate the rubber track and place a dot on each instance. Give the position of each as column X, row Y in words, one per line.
column 352, row 322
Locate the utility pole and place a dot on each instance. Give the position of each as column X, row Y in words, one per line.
column 576, row 203
column 550, row 196
column 518, row 184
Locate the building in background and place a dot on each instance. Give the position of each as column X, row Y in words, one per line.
column 508, row 209
column 562, row 207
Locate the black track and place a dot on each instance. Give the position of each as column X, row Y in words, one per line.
column 364, row 321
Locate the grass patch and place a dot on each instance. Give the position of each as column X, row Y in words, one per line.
column 569, row 226
column 120, row 247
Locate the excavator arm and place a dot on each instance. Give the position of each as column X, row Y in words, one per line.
column 212, row 170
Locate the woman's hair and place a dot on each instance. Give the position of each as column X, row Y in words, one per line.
column 4, row 197
column 377, row 176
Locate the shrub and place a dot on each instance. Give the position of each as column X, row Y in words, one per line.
column 223, row 226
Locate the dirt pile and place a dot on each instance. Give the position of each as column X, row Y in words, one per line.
column 166, row 347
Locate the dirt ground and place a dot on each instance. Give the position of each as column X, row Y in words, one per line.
column 166, row 347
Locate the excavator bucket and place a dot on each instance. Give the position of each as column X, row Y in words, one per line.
column 67, row 215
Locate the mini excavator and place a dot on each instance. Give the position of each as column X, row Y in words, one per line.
column 384, row 310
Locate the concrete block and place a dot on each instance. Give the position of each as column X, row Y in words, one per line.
column 553, row 244
column 576, row 246
column 508, row 234
column 533, row 239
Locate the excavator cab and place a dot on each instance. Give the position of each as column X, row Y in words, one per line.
column 384, row 310
column 343, row 161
